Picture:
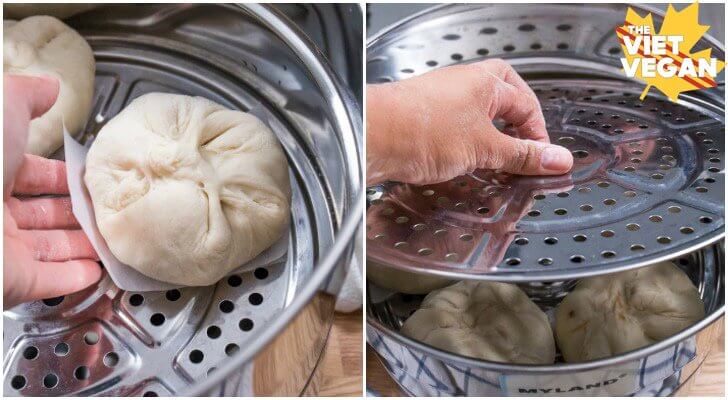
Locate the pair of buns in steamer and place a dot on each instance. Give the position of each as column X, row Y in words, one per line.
column 602, row 317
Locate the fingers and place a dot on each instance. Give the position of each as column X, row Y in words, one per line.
column 58, row 245
column 521, row 109
column 40, row 92
column 505, row 72
column 528, row 157
column 40, row 175
column 43, row 213
column 53, row 279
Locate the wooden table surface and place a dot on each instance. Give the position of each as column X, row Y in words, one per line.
column 340, row 373
column 708, row 381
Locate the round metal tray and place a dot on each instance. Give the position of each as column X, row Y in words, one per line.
column 104, row 341
column 647, row 185
column 648, row 182
column 571, row 38
column 418, row 367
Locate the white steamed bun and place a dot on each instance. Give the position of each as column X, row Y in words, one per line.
column 185, row 190
column 488, row 320
column 613, row 314
column 46, row 46
column 403, row 281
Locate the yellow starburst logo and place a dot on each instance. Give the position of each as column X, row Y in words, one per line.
column 663, row 59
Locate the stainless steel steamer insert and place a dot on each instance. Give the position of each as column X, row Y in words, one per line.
column 104, row 341
column 648, row 182
column 658, row 369
column 648, row 185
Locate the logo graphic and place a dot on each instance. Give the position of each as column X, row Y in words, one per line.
column 663, row 59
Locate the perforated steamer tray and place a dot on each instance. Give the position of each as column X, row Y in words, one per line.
column 647, row 184
column 103, row 341
column 648, row 181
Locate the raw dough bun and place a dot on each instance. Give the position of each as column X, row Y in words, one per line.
column 46, row 46
column 488, row 320
column 613, row 314
column 403, row 281
column 185, row 190
column 62, row 11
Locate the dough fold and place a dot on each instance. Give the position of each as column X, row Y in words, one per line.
column 186, row 191
column 403, row 281
column 488, row 320
column 613, row 314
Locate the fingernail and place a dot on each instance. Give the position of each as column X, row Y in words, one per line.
column 556, row 158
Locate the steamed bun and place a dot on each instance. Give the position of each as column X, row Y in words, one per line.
column 613, row 314
column 46, row 46
column 487, row 320
column 58, row 10
column 403, row 281
column 185, row 190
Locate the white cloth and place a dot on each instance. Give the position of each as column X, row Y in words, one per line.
column 350, row 297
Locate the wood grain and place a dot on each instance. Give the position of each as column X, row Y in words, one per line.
column 708, row 381
column 710, row 378
column 340, row 372
column 377, row 377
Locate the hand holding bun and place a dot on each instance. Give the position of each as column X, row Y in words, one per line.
column 44, row 45
column 488, row 320
column 613, row 314
column 185, row 190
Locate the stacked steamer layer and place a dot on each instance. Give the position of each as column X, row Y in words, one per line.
column 601, row 317
column 638, row 327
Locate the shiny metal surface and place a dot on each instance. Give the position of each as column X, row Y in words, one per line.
column 566, row 37
column 336, row 29
column 705, row 268
column 647, row 185
column 648, row 182
column 104, row 341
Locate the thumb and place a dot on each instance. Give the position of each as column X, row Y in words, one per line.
column 39, row 92
column 529, row 157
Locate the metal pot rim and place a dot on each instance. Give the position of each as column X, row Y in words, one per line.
column 349, row 120
column 643, row 7
column 551, row 368
column 562, row 367
column 549, row 277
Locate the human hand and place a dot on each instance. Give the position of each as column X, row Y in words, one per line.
column 25, row 98
column 439, row 125
column 46, row 254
